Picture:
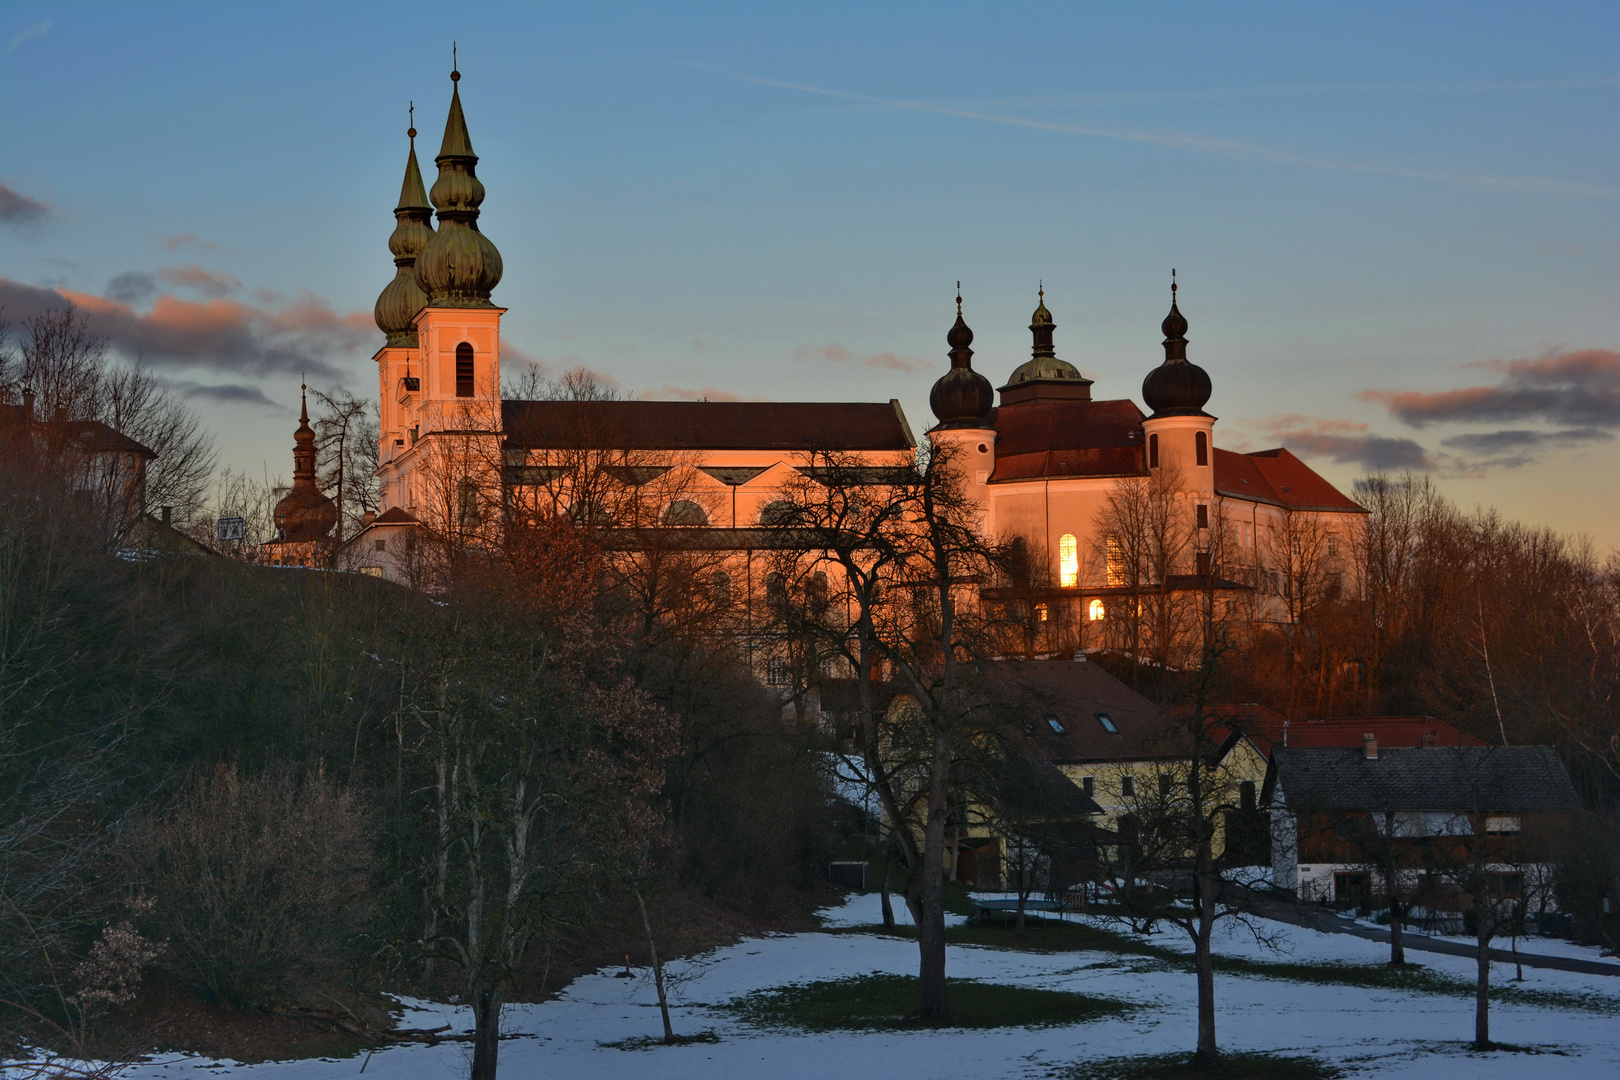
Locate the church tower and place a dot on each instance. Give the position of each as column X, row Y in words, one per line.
column 1180, row 434
column 961, row 400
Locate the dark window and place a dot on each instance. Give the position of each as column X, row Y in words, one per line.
column 780, row 512
column 382, row 545
column 1107, row 723
column 816, row 591
column 1153, row 451
column 1088, row 784
column 775, row 588
column 464, row 370
column 1246, row 795
column 1127, row 828
column 1202, row 560
column 685, row 512
column 1055, row 724
column 1203, row 515
column 720, row 588
column 1201, row 447
column 1164, row 783
column 1127, row 786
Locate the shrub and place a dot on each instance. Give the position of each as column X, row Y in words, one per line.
column 258, row 883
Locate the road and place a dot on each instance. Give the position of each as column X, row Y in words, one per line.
column 1316, row 918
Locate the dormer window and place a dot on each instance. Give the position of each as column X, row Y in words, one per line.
column 1107, row 723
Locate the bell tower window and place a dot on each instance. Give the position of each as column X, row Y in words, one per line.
column 1201, row 447
column 464, row 371
column 1153, row 451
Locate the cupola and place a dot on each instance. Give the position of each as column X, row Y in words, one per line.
column 458, row 267
column 1043, row 375
column 1176, row 386
column 962, row 397
column 304, row 513
column 403, row 297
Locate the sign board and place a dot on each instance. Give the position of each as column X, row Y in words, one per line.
column 229, row 528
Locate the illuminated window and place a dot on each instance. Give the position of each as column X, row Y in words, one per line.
column 1201, row 447
column 1068, row 561
column 1040, row 612
column 464, row 370
column 1095, row 611
column 1116, row 561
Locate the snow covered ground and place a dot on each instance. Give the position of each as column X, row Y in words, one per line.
column 1381, row 1033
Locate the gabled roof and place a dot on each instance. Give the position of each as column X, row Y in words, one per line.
column 772, row 426
column 1075, row 692
column 1270, row 730
column 1510, row 779
column 1046, row 438
column 1277, row 477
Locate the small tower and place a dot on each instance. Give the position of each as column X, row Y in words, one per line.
column 304, row 517
column 1180, row 434
column 962, row 399
column 399, row 363
column 1043, row 375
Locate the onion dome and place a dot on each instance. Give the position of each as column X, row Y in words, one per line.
column 459, row 267
column 399, row 303
column 304, row 513
column 1043, row 363
column 1176, row 386
column 962, row 397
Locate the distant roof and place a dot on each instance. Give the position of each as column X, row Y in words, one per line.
column 706, row 425
column 1075, row 692
column 91, row 434
column 1270, row 730
column 1042, row 438
column 1277, row 477
column 1503, row 778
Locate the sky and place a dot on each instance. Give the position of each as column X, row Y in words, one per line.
column 1395, row 227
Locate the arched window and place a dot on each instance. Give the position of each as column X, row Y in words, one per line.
column 685, row 512
column 1116, row 561
column 467, row 503
column 464, row 370
column 1095, row 611
column 1068, row 561
column 720, row 588
column 1201, row 447
column 586, row 512
column 780, row 512
column 817, row 591
column 775, row 588
column 1153, row 451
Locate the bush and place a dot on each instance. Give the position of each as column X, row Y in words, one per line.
column 258, row 884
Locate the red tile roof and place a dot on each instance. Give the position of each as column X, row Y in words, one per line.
column 1277, row 477
column 1037, row 439
column 706, row 425
column 1270, row 730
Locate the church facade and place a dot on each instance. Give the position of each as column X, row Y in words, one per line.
column 1106, row 497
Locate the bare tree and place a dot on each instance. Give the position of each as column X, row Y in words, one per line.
column 346, row 448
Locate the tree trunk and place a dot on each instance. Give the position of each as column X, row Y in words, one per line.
column 888, row 905
column 1397, row 934
column 657, row 967
column 931, row 1004
column 486, row 1008
column 1482, row 991
column 1207, row 1054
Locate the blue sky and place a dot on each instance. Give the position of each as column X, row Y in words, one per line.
column 1396, row 227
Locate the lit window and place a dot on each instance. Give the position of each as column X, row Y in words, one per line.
column 1055, row 724
column 1095, row 611
column 1040, row 612
column 1068, row 561
column 1107, row 723
column 776, row 672
column 1116, row 561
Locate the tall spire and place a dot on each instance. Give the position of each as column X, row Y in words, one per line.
column 1043, row 364
column 459, row 267
column 1176, row 386
column 962, row 397
column 304, row 513
column 403, row 297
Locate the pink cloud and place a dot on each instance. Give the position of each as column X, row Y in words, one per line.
column 839, row 354
column 202, row 280
column 1578, row 388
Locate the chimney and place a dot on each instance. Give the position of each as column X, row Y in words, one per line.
column 367, row 518
column 1430, row 739
column 1369, row 746
column 164, row 512
column 1079, row 656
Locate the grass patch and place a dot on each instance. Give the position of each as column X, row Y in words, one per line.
column 1049, row 936
column 1251, row 1066
column 652, row 1042
column 885, row 1003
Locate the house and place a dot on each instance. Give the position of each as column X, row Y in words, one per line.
column 101, row 466
column 1351, row 824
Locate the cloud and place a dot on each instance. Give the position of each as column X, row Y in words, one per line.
column 305, row 335
column 204, row 281
column 1347, row 443
column 132, row 287
column 17, row 209
column 181, row 240
column 229, row 394
column 1577, row 389
column 839, row 354
column 1511, row 449
column 1203, row 144
column 669, row 392
column 36, row 30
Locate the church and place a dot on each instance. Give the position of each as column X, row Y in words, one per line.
column 1043, row 458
